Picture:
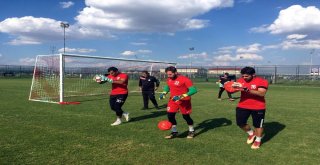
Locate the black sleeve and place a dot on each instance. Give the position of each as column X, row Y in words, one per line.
column 157, row 82
column 140, row 83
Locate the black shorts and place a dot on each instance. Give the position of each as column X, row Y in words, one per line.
column 116, row 101
column 242, row 116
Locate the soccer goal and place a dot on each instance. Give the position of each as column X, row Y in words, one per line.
column 64, row 78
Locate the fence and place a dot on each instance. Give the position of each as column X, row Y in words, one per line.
column 16, row 71
column 276, row 74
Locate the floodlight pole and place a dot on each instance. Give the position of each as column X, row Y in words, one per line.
column 64, row 26
column 190, row 58
column 311, row 61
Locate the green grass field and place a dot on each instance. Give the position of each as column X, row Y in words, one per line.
column 43, row 133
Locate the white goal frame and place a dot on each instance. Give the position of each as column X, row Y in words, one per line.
column 62, row 63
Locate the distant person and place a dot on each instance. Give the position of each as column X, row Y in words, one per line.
column 118, row 94
column 148, row 85
column 180, row 88
column 252, row 103
column 223, row 79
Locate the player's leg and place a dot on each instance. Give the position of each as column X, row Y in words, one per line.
column 220, row 93
column 186, row 109
column 242, row 116
column 172, row 109
column 258, row 120
column 230, row 96
column 145, row 100
column 189, row 121
column 174, row 131
column 120, row 100
column 153, row 99
column 112, row 102
column 124, row 114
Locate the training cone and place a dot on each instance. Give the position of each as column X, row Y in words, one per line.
column 164, row 125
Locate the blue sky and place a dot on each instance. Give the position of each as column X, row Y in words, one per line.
column 222, row 32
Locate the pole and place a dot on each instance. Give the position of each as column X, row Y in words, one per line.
column 190, row 58
column 64, row 26
column 61, row 91
column 64, row 40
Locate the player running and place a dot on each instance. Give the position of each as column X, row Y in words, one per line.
column 222, row 80
column 119, row 92
column 180, row 88
column 252, row 103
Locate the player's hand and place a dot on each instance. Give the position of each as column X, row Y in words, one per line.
column 177, row 98
column 245, row 89
column 156, row 88
column 97, row 78
column 237, row 85
column 101, row 79
column 162, row 95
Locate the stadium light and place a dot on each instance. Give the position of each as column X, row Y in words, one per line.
column 64, row 26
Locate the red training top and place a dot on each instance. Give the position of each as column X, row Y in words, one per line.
column 250, row 101
column 179, row 86
column 118, row 89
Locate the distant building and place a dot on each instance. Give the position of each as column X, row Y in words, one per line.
column 315, row 71
column 220, row 71
column 185, row 70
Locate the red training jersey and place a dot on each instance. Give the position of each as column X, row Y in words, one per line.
column 179, row 86
column 250, row 101
column 118, row 89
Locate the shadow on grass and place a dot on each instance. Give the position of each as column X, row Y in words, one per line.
column 149, row 116
column 272, row 129
column 91, row 98
column 160, row 107
column 209, row 125
column 163, row 106
column 235, row 98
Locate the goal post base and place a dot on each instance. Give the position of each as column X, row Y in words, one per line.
column 69, row 103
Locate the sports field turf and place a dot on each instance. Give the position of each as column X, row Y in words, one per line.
column 43, row 133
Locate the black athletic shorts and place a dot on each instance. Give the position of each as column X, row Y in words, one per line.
column 242, row 116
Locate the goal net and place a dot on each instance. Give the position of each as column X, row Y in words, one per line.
column 66, row 78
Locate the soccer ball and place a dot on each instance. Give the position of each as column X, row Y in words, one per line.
column 164, row 125
column 97, row 78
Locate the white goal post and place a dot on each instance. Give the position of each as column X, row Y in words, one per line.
column 63, row 78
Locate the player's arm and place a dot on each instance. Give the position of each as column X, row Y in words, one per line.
column 261, row 89
column 122, row 80
column 140, row 84
column 157, row 82
column 163, row 94
column 260, row 92
column 191, row 91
